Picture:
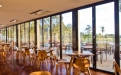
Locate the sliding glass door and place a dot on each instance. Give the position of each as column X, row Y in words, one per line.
column 105, row 39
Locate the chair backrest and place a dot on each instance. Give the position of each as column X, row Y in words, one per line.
column 42, row 54
column 27, row 51
column 82, row 64
column 116, row 68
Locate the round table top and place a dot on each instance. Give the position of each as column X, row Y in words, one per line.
column 40, row 73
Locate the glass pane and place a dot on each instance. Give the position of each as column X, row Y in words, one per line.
column 46, row 31
column 0, row 35
column 14, row 35
column 11, row 34
column 19, row 43
column 7, row 34
column 22, row 35
column 66, row 33
column 39, row 33
column 105, row 36
column 85, row 30
column 120, row 27
column 56, row 34
column 27, row 34
column 32, row 34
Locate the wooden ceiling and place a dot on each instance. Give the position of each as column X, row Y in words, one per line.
column 21, row 9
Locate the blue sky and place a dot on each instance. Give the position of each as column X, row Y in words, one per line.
column 104, row 17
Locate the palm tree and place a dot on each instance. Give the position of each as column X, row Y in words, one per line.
column 102, row 29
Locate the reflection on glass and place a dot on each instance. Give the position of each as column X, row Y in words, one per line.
column 105, row 36
column 46, row 31
column 66, row 32
column 85, row 29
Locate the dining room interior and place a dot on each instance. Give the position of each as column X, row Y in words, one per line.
column 67, row 37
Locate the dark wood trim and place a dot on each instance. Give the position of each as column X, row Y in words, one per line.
column 60, row 36
column 117, row 30
column 75, row 29
column 51, row 31
column 94, row 35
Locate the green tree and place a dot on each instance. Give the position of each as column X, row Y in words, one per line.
column 88, row 31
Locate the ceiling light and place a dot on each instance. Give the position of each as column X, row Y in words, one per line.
column 2, row 25
column 39, row 12
column 0, row 5
column 14, row 20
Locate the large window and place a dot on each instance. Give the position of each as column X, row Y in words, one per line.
column 14, row 36
column 105, row 36
column 32, row 34
column 85, row 30
column 46, row 31
column 22, row 35
column 56, row 31
column 39, row 34
column 66, row 33
column 3, row 35
column 26, row 34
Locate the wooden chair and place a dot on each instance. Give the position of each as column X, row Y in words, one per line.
column 58, row 62
column 82, row 65
column 116, row 68
column 42, row 56
column 40, row 73
column 27, row 54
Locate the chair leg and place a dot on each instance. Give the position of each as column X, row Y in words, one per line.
column 46, row 64
column 89, row 73
column 56, row 69
column 66, row 69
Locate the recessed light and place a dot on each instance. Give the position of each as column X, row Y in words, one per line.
column 2, row 25
column 14, row 20
column 0, row 5
column 39, row 12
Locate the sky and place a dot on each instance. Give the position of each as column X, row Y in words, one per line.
column 104, row 17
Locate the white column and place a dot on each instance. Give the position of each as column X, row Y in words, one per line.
column 79, row 41
column 38, row 34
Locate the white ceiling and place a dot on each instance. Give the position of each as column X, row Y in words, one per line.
column 21, row 9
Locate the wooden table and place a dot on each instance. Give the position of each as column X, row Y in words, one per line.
column 76, row 54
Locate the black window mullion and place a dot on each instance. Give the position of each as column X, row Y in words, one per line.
column 60, row 36
column 29, row 33
column 51, row 31
column 43, row 32
column 17, row 35
column 117, row 30
column 94, row 35
column 35, row 31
